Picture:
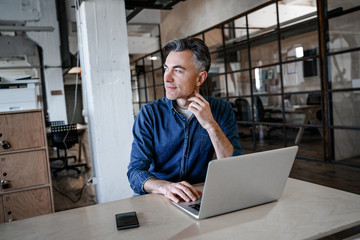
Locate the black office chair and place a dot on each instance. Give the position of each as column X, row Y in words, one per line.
column 261, row 115
column 63, row 138
column 243, row 109
column 243, row 113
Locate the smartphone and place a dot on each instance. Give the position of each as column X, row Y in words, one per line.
column 126, row 220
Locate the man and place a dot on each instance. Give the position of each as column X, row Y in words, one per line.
column 175, row 137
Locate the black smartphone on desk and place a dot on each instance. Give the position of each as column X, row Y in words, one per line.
column 126, row 220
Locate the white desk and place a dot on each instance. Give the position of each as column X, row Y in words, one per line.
column 305, row 211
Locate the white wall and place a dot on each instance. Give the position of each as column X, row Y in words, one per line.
column 108, row 98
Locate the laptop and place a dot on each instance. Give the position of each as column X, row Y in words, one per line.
column 241, row 182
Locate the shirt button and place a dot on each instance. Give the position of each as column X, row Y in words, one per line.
column 184, row 155
column 187, row 137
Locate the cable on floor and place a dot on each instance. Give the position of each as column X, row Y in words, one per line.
column 74, row 201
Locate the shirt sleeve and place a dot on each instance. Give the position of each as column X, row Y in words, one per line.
column 142, row 152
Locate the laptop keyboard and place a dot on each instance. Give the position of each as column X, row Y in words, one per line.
column 195, row 206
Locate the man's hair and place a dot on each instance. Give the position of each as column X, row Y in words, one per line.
column 201, row 54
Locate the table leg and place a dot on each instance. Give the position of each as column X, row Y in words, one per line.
column 302, row 128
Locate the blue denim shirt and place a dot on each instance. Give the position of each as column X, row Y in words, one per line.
column 167, row 146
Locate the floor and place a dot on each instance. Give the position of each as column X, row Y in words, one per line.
column 71, row 191
column 70, row 188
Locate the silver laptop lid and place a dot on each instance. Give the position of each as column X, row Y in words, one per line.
column 244, row 181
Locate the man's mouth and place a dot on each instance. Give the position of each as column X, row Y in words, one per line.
column 170, row 87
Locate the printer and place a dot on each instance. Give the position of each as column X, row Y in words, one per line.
column 20, row 92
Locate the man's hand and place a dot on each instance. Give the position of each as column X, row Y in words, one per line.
column 201, row 109
column 176, row 192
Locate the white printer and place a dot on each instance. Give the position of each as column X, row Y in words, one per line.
column 19, row 93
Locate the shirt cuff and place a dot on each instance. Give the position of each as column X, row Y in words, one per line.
column 138, row 181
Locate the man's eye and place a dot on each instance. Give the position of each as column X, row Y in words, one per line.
column 178, row 71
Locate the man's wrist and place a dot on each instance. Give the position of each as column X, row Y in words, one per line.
column 154, row 185
column 213, row 128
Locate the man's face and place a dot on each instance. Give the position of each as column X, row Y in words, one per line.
column 180, row 77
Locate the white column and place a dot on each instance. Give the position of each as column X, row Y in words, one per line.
column 107, row 90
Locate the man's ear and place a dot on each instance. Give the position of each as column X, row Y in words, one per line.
column 202, row 78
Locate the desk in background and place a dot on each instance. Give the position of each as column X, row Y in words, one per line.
column 309, row 112
column 305, row 211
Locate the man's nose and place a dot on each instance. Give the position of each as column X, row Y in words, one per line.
column 168, row 76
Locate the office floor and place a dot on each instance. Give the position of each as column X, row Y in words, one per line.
column 69, row 187
column 68, row 184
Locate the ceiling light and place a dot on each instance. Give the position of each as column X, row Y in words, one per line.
column 299, row 52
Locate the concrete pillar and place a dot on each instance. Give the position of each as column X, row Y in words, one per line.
column 107, row 91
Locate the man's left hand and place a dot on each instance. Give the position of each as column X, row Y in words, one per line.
column 201, row 109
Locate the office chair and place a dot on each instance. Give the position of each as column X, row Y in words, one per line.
column 261, row 115
column 243, row 109
column 244, row 113
column 64, row 137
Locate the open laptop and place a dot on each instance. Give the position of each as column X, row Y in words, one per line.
column 244, row 181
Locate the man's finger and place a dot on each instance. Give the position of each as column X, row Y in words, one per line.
column 180, row 191
column 192, row 188
column 197, row 100
column 191, row 191
column 172, row 197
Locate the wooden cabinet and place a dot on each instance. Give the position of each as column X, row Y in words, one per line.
column 22, row 130
column 24, row 167
column 28, row 203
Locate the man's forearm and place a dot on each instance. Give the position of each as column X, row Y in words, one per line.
column 222, row 145
column 154, row 185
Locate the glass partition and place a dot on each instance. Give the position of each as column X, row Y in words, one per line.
column 262, row 21
column 344, row 70
column 344, row 32
column 286, row 86
column 341, row 5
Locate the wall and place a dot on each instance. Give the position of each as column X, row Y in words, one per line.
column 190, row 17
